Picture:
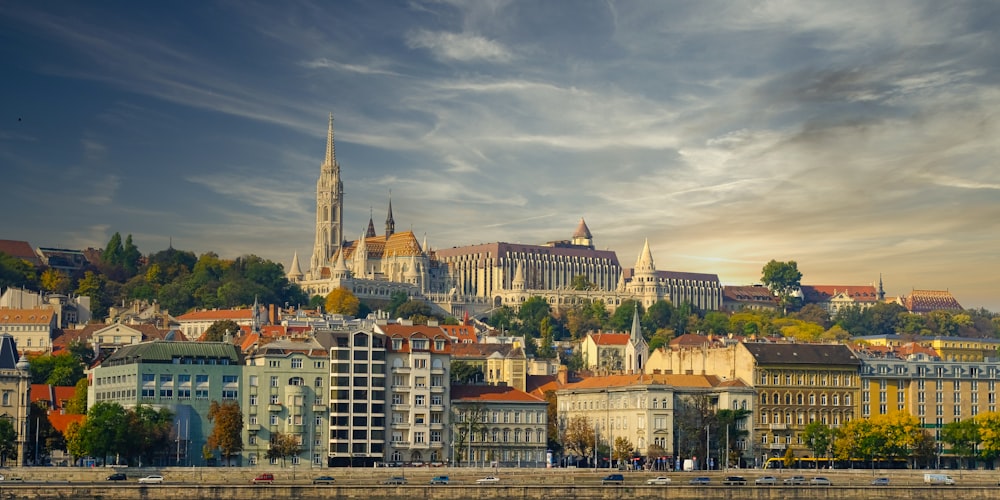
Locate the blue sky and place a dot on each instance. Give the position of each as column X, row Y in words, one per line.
column 856, row 138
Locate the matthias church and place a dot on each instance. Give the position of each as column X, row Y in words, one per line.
column 475, row 279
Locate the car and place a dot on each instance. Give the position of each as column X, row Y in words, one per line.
column 396, row 480
column 117, row 476
column 880, row 481
column 700, row 481
column 265, row 478
column 440, row 480
column 323, row 480
column 795, row 480
column 151, row 479
column 613, row 479
column 659, row 480
column 488, row 480
column 734, row 481
column 766, row 481
column 820, row 481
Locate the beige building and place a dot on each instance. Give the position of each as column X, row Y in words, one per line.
column 795, row 384
column 31, row 328
column 642, row 407
column 496, row 424
column 15, row 395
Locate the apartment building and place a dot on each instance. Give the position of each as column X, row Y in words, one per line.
column 286, row 385
column 498, row 425
column 419, row 359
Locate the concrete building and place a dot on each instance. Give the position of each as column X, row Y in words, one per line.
column 183, row 377
column 286, row 385
column 358, row 396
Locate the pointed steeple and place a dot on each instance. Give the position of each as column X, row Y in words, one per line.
column 518, row 283
column 295, row 271
column 390, row 224
column 582, row 235
column 423, row 247
column 636, row 334
column 371, row 225
column 881, row 291
column 645, row 262
column 331, row 153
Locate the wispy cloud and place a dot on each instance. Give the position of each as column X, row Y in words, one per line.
column 463, row 47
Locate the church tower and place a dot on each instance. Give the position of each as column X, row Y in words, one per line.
column 390, row 223
column 329, row 209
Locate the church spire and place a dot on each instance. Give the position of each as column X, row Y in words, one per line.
column 331, row 153
column 371, row 225
column 636, row 333
column 390, row 224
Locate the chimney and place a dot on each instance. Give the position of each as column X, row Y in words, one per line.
column 562, row 375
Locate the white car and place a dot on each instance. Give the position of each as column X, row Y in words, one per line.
column 659, row 480
column 488, row 480
column 154, row 479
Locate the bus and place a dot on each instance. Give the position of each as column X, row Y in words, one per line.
column 834, row 463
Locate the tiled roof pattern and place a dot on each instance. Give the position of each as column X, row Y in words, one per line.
column 748, row 293
column 823, row 293
column 610, row 338
column 61, row 421
column 801, row 354
column 21, row 250
column 689, row 340
column 479, row 350
column 491, row 393
column 216, row 315
column 674, row 380
column 26, row 316
column 923, row 301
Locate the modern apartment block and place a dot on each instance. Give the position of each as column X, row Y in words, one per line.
column 419, row 358
column 357, row 396
column 286, row 385
column 183, row 377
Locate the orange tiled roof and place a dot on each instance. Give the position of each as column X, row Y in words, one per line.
column 689, row 340
column 26, row 316
column 610, row 338
column 61, row 421
column 215, row 315
column 464, row 333
column 492, row 393
column 748, row 293
column 823, row 293
column 922, row 301
column 676, row 380
column 21, row 250
column 479, row 350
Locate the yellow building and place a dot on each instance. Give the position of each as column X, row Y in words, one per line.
column 795, row 384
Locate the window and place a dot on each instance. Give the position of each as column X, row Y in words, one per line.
column 418, row 400
column 253, row 402
column 420, row 363
column 436, row 399
column 418, row 437
column 273, row 363
column 274, row 381
column 296, row 362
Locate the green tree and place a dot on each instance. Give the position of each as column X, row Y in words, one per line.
column 105, row 432
column 962, row 436
column 396, row 299
column 465, row 373
column 658, row 316
column 17, row 273
column 621, row 320
column 227, row 433
column 468, row 421
column 813, row 313
column 317, row 301
column 8, row 441
column 114, row 253
column 715, row 322
column 60, row 369
column 218, row 330
column 150, row 432
column 782, row 278
column 78, row 404
column 580, row 282
column 546, row 348
column 92, row 285
column 531, row 314
column 342, row 301
column 412, row 308
column 130, row 257
column 818, row 437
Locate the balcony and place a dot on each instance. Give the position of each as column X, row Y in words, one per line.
column 437, row 371
column 437, row 389
column 253, row 427
column 399, row 444
column 401, row 388
column 437, row 426
column 400, row 425
column 437, row 444
column 778, row 427
column 437, row 407
column 275, row 408
column 400, row 369
column 401, row 407
column 774, row 446
column 319, row 408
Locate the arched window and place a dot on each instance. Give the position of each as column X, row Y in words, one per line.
column 296, row 381
column 318, row 382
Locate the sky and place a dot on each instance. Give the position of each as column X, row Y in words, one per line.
column 859, row 139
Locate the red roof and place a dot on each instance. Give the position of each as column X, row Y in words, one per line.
column 492, row 393
column 465, row 334
column 218, row 314
column 55, row 395
column 922, row 301
column 610, row 338
column 61, row 421
column 689, row 340
column 823, row 293
column 26, row 316
column 21, row 250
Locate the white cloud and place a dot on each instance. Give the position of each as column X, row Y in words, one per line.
column 459, row 46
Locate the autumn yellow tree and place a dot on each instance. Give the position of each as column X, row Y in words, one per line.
column 55, row 281
column 579, row 437
column 342, row 301
column 989, row 434
column 227, row 433
column 623, row 449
